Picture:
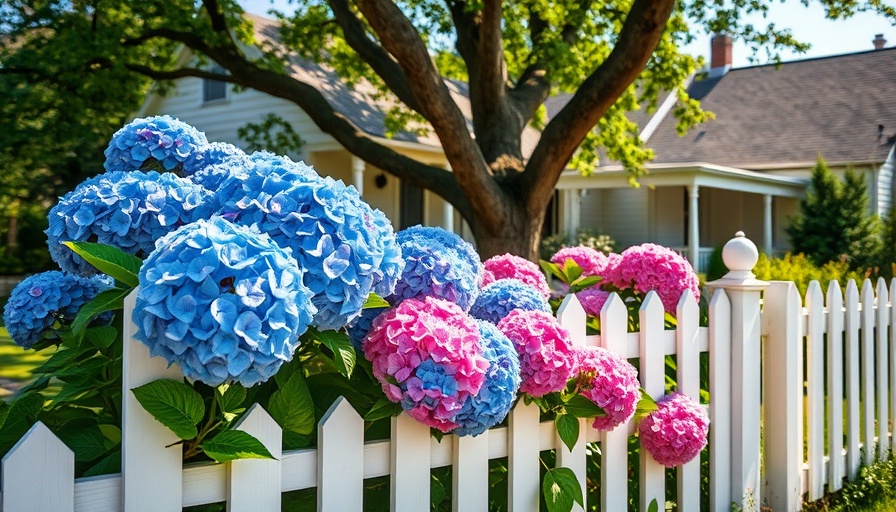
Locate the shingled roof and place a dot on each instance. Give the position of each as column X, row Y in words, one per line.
column 842, row 108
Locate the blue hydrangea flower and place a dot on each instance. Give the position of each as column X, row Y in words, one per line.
column 360, row 326
column 502, row 381
column 223, row 301
column 438, row 263
column 386, row 276
column 129, row 210
column 216, row 153
column 41, row 300
column 160, row 143
column 503, row 296
column 333, row 234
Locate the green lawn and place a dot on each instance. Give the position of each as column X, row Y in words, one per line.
column 15, row 362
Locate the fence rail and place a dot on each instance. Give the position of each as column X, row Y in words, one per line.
column 850, row 397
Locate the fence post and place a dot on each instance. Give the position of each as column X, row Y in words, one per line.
column 740, row 256
column 572, row 317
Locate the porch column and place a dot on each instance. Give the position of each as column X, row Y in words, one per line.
column 448, row 210
column 572, row 210
column 694, row 227
column 358, row 174
column 767, row 229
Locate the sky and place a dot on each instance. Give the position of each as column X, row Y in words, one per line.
column 808, row 24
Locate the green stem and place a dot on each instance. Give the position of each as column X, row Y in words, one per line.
column 212, row 423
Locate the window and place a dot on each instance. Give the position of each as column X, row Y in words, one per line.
column 214, row 90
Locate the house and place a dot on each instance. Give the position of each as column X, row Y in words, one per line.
column 744, row 170
column 748, row 168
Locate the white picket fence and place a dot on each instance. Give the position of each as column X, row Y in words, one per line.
column 38, row 473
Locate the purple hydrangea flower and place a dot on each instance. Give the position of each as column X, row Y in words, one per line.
column 360, row 326
column 438, row 263
column 502, row 381
column 593, row 300
column 676, row 432
column 129, row 210
column 212, row 155
column 223, row 301
column 505, row 295
column 610, row 382
column 159, row 143
column 334, row 235
column 509, row 266
column 41, row 300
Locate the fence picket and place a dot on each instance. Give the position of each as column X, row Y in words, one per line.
column 38, row 474
column 571, row 316
column 867, row 319
column 254, row 484
column 720, row 408
column 853, row 457
column 892, row 361
column 815, row 389
column 524, row 482
column 614, row 444
column 470, row 474
column 688, row 375
column 835, row 385
column 151, row 456
column 653, row 380
column 411, row 457
column 882, row 373
column 340, row 458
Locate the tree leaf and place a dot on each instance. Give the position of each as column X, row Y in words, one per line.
column 383, row 408
column 343, row 352
column 581, row 407
column 109, row 300
column 561, row 489
column 375, row 301
column 109, row 260
column 291, row 405
column 568, row 428
column 235, row 444
column 174, row 404
column 646, row 405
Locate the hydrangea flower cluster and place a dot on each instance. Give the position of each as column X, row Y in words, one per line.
column 161, row 143
column 503, row 296
column 510, row 266
column 502, row 380
column 223, row 301
column 335, row 236
column 437, row 263
column 592, row 300
column 427, row 355
column 591, row 261
column 360, row 326
column 649, row 267
column 546, row 359
column 611, row 383
column 129, row 210
column 40, row 300
column 676, row 432
column 215, row 154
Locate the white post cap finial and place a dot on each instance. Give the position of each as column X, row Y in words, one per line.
column 740, row 256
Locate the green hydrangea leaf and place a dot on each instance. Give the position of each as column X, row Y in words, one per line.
column 375, row 301
column 291, row 405
column 581, row 407
column 235, row 444
column 109, row 300
column 112, row 261
column 561, row 489
column 568, row 428
column 383, row 408
column 344, row 356
column 174, row 404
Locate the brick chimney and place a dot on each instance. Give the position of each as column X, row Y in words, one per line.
column 720, row 59
column 879, row 41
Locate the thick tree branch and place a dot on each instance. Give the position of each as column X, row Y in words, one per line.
column 488, row 91
column 465, row 30
column 373, row 54
column 174, row 74
column 219, row 22
column 640, row 34
column 401, row 39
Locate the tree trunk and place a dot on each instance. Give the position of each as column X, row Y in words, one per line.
column 518, row 232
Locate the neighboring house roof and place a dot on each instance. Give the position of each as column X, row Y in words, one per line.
column 842, row 108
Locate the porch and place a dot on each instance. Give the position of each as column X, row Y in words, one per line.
column 692, row 207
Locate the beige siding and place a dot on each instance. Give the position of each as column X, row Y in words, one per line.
column 668, row 227
column 885, row 186
column 785, row 208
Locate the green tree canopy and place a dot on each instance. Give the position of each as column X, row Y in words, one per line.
column 834, row 222
column 612, row 57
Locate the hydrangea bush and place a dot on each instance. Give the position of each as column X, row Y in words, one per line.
column 501, row 297
column 509, row 266
column 676, row 432
column 610, row 382
column 546, row 359
column 161, row 143
column 223, row 301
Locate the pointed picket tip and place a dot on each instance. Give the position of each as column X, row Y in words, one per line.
column 613, row 307
column 570, row 305
column 852, row 290
column 573, row 318
column 867, row 287
column 341, row 411
column 814, row 296
column 687, row 304
column 882, row 288
column 651, row 303
column 835, row 292
column 255, row 417
column 892, row 287
column 719, row 298
column 39, row 464
column 38, row 437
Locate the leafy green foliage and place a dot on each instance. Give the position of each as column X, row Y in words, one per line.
column 561, row 489
column 235, row 444
column 273, row 134
column 109, row 260
column 174, row 404
column 834, row 222
column 568, row 429
column 291, row 405
column 585, row 236
column 801, row 270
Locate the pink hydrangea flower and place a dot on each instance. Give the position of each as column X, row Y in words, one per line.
column 649, row 267
column 509, row 266
column 611, row 383
column 676, row 432
column 546, row 358
column 427, row 356
column 591, row 261
column 593, row 300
